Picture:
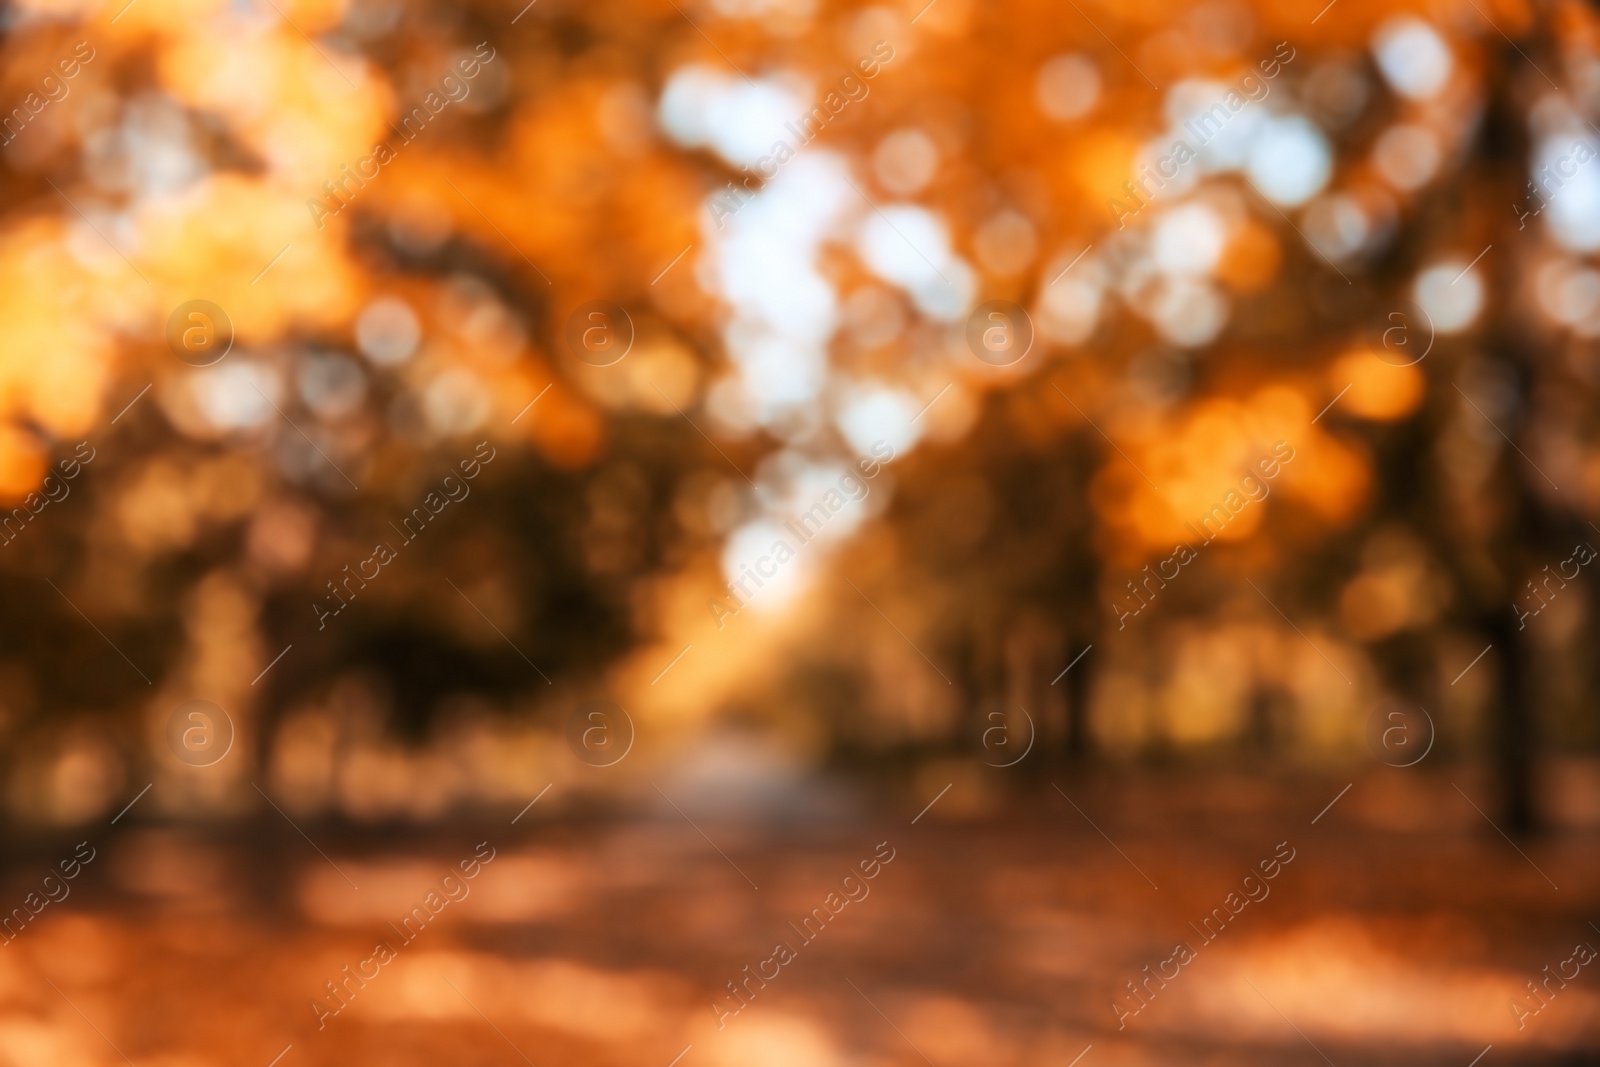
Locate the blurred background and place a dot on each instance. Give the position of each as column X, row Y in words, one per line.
column 693, row 447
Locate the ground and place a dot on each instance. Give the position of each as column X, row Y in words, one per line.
column 1400, row 929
